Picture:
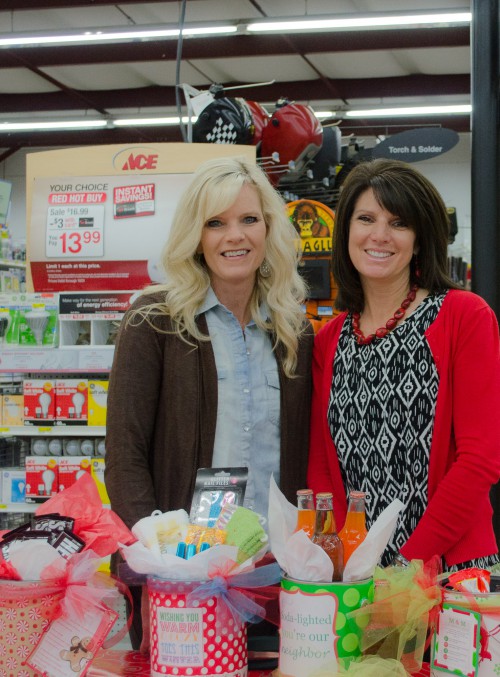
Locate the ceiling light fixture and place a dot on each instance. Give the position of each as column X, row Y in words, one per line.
column 51, row 126
column 462, row 109
column 98, row 35
column 373, row 22
column 143, row 122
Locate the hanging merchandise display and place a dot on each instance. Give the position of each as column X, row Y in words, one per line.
column 295, row 134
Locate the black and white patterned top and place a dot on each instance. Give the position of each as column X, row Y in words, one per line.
column 381, row 417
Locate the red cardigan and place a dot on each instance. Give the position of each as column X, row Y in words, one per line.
column 465, row 449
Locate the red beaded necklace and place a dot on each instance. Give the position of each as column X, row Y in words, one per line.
column 363, row 340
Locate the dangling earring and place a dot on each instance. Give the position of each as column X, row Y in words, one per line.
column 265, row 269
column 416, row 268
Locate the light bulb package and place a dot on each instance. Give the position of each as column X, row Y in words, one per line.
column 42, row 478
column 71, row 469
column 13, row 486
column 39, row 402
column 97, row 402
column 12, row 409
column 29, row 320
column 71, row 401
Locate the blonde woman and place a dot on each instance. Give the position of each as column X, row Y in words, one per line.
column 213, row 367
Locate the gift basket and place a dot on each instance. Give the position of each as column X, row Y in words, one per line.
column 207, row 577
column 367, row 621
column 56, row 607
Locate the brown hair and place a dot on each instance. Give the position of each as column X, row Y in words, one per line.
column 404, row 192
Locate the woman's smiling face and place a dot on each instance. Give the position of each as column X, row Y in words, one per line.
column 233, row 243
column 381, row 245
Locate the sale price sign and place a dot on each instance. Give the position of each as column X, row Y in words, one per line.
column 75, row 225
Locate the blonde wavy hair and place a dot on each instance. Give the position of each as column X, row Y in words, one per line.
column 214, row 188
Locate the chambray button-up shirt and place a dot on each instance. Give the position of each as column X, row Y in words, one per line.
column 248, row 412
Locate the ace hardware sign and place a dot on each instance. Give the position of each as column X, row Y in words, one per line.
column 99, row 217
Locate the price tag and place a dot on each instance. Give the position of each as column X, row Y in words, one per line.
column 75, row 225
column 46, row 429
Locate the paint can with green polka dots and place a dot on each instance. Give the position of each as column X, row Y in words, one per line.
column 314, row 627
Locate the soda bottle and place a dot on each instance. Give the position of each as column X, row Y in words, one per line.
column 325, row 533
column 306, row 515
column 354, row 530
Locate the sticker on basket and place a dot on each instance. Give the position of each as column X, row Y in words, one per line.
column 70, row 644
column 456, row 642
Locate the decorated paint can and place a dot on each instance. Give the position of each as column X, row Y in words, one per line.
column 26, row 610
column 193, row 635
column 467, row 637
column 314, row 626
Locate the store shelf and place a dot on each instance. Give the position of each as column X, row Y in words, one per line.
column 18, row 507
column 71, row 359
column 8, row 263
column 53, row 431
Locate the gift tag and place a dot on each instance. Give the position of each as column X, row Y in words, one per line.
column 69, row 645
column 456, row 642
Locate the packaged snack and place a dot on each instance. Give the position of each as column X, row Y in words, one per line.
column 470, row 580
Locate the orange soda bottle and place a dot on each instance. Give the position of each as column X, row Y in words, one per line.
column 325, row 533
column 306, row 515
column 354, row 531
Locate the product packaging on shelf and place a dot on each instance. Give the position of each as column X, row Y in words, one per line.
column 71, row 469
column 71, row 401
column 97, row 402
column 39, row 401
column 29, row 320
column 42, row 479
column 13, row 486
column 12, row 409
column 97, row 472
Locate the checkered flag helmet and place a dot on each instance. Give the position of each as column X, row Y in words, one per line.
column 226, row 120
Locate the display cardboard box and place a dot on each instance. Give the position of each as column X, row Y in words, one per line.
column 98, row 465
column 97, row 403
column 39, row 401
column 42, row 478
column 71, row 401
column 71, row 469
column 12, row 410
column 13, row 486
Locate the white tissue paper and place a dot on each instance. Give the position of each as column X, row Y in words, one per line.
column 361, row 564
column 30, row 558
column 170, row 567
column 296, row 554
column 301, row 559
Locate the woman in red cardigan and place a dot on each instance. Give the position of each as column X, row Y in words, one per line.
column 406, row 378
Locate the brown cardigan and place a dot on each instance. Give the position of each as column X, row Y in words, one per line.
column 161, row 418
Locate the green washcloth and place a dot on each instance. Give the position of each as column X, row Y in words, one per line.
column 245, row 531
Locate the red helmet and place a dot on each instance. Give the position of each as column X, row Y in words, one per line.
column 296, row 134
column 260, row 118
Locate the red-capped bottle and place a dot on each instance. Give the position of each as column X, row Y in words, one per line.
column 325, row 533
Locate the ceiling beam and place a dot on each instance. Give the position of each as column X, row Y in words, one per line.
column 218, row 47
column 15, row 5
column 302, row 90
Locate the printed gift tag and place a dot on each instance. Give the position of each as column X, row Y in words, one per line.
column 69, row 646
column 456, row 642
